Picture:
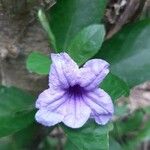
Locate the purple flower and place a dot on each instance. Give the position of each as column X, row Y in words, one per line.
column 74, row 95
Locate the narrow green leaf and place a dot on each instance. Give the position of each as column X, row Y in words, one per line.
column 44, row 21
column 38, row 63
column 128, row 52
column 90, row 136
column 16, row 110
column 68, row 17
column 86, row 43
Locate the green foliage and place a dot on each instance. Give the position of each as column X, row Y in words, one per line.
column 6, row 143
column 21, row 140
column 44, row 21
column 129, row 53
column 146, row 110
column 114, row 86
column 130, row 131
column 142, row 134
column 16, row 110
column 128, row 124
column 74, row 26
column 69, row 17
column 114, row 145
column 86, row 43
column 121, row 111
column 50, row 143
column 38, row 63
column 90, row 136
column 26, row 138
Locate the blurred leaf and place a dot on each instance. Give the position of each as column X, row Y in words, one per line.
column 30, row 137
column 6, row 143
column 50, row 143
column 145, row 13
column 114, row 86
column 16, row 110
column 127, row 125
column 21, row 140
column 68, row 17
column 38, row 63
column 132, row 131
column 27, row 137
column 144, row 134
column 114, row 145
column 121, row 111
column 86, row 43
column 141, row 136
column 146, row 109
column 90, row 136
column 128, row 52
column 44, row 21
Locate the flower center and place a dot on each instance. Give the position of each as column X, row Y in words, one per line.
column 75, row 90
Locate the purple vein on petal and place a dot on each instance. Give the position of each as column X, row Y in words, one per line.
column 93, row 101
column 60, row 78
column 58, row 105
column 58, row 96
column 96, row 76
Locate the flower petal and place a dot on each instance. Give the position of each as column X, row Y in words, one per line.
column 48, row 97
column 63, row 72
column 101, row 104
column 77, row 113
column 48, row 118
column 92, row 73
column 102, row 119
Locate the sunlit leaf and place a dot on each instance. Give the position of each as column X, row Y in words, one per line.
column 38, row 63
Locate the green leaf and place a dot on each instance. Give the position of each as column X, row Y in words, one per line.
column 144, row 134
column 25, row 138
column 132, row 130
column 86, row 43
column 90, row 136
column 44, row 21
column 114, row 86
column 22, row 140
column 128, row 52
column 16, row 110
column 114, row 145
column 29, row 138
column 68, row 17
column 128, row 124
column 50, row 143
column 146, row 110
column 141, row 136
column 121, row 111
column 6, row 143
column 38, row 63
